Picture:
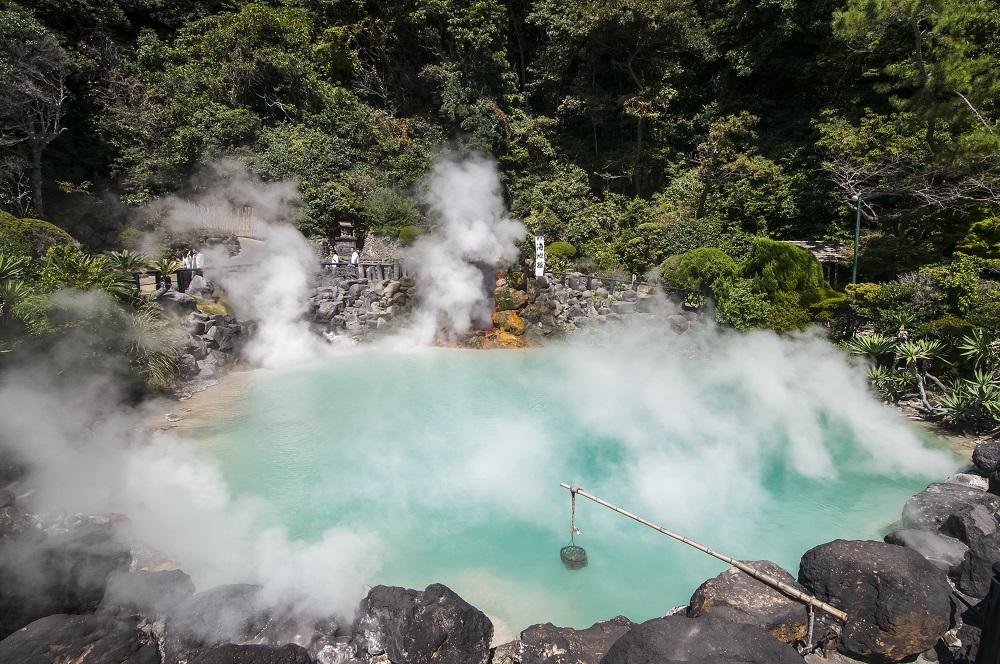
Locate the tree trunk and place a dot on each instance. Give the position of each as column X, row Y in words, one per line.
column 638, row 159
column 36, row 178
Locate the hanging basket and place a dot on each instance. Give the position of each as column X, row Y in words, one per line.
column 573, row 556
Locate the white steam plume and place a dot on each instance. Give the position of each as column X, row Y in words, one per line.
column 464, row 197
column 97, row 457
column 269, row 280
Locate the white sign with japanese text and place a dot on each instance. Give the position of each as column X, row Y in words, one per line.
column 539, row 255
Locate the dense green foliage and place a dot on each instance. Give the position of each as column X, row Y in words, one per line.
column 633, row 130
column 688, row 136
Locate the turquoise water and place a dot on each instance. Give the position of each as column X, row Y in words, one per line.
column 452, row 460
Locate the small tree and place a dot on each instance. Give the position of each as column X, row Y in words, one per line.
column 33, row 72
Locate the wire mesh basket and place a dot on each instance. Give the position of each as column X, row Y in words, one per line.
column 573, row 556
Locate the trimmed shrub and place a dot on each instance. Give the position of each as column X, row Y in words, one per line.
column 778, row 267
column 30, row 237
column 698, row 269
column 560, row 250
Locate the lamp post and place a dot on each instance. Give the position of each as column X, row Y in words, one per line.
column 857, row 239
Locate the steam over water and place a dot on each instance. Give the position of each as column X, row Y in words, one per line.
column 451, row 461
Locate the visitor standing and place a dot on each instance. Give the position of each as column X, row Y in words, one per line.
column 356, row 261
column 199, row 260
column 335, row 259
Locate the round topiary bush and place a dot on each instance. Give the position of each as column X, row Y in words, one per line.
column 560, row 250
column 30, row 237
column 698, row 269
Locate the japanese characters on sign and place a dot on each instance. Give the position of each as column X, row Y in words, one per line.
column 539, row 254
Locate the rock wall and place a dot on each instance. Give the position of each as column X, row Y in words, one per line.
column 354, row 307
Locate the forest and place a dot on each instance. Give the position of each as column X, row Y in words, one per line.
column 681, row 138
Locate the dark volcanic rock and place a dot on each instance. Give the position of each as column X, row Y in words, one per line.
column 977, row 528
column 231, row 653
column 942, row 550
column 145, row 593
column 929, row 509
column 986, row 456
column 13, row 524
column 898, row 603
column 434, row 626
column 548, row 644
column 235, row 614
column 77, row 639
column 737, row 596
column 7, row 498
column 62, row 574
column 704, row 640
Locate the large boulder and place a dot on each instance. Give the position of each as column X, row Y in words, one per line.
column 548, row 644
column 737, row 596
column 977, row 528
column 704, row 640
column 237, row 614
column 898, row 603
column 145, row 593
column 176, row 301
column 986, row 456
column 78, row 639
column 929, row 509
column 944, row 551
column 61, row 574
column 956, row 512
column 231, row 653
column 433, row 626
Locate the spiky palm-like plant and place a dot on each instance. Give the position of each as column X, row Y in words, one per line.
column 127, row 261
column 152, row 351
column 13, row 267
column 917, row 356
column 876, row 346
column 980, row 347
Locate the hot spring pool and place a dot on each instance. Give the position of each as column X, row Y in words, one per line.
column 452, row 460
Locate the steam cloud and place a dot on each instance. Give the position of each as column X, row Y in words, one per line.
column 269, row 281
column 474, row 234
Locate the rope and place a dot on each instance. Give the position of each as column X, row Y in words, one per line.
column 572, row 515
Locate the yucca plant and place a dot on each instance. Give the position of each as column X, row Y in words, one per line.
column 165, row 266
column 887, row 382
column 127, row 261
column 917, row 355
column 980, row 348
column 11, row 294
column 973, row 401
column 876, row 346
column 13, row 267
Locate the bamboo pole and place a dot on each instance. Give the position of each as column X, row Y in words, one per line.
column 763, row 577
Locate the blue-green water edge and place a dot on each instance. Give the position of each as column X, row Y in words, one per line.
column 453, row 461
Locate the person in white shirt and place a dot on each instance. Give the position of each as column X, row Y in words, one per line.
column 335, row 259
column 199, row 260
column 356, row 260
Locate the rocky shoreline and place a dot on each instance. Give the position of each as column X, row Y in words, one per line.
column 88, row 599
column 913, row 597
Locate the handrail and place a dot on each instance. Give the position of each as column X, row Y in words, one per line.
column 763, row 577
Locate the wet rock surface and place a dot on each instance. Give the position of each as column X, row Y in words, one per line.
column 960, row 526
column 898, row 603
column 78, row 639
column 738, row 597
column 433, row 626
column 64, row 573
column 232, row 653
column 548, row 644
column 704, row 640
